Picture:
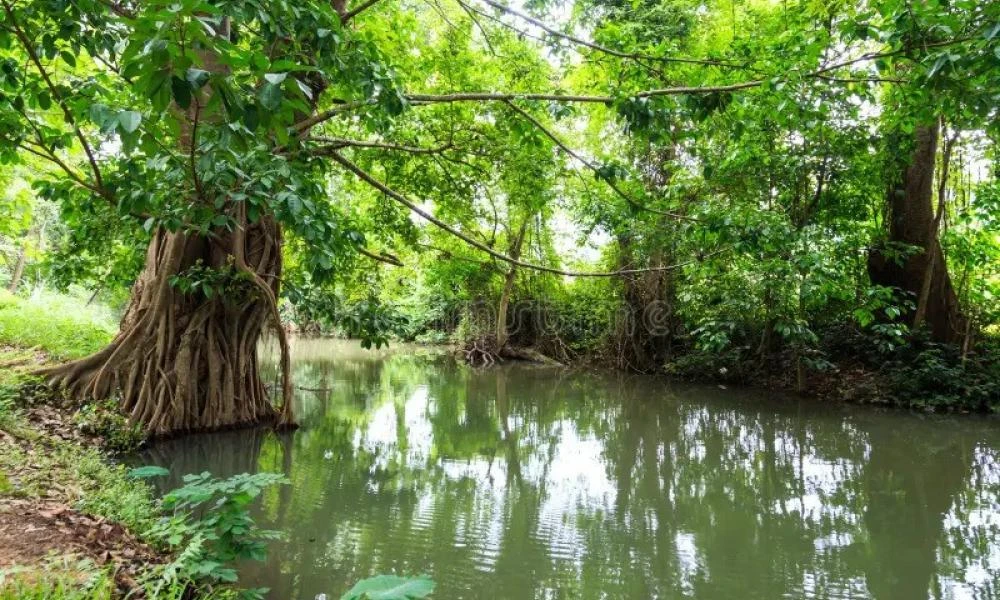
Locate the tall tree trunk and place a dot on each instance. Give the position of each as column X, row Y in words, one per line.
column 18, row 272
column 185, row 361
column 508, row 286
column 912, row 222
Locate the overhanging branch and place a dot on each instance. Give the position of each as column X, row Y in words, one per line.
column 400, row 198
column 67, row 114
column 614, row 186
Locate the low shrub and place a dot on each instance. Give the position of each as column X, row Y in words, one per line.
column 105, row 420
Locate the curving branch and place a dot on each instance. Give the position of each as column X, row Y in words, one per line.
column 614, row 186
column 388, row 259
column 600, row 48
column 420, row 99
column 400, row 198
column 67, row 114
column 48, row 155
column 347, row 16
column 342, row 107
column 339, row 143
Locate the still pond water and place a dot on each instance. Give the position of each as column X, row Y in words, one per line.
column 520, row 482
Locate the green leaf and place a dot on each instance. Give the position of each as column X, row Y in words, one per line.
column 197, row 77
column 390, row 587
column 181, row 90
column 269, row 97
column 147, row 472
column 129, row 120
column 68, row 57
column 275, row 78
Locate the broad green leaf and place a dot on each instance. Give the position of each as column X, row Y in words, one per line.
column 269, row 97
column 390, row 587
column 147, row 472
column 129, row 120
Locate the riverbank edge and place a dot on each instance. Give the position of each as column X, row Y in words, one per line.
column 72, row 522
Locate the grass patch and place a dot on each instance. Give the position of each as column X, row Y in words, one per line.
column 82, row 475
column 61, row 326
column 63, row 579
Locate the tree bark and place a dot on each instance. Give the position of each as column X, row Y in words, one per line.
column 18, row 272
column 508, row 286
column 188, row 361
column 912, row 222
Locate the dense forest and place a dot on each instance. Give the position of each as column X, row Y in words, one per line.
column 799, row 194
column 574, row 221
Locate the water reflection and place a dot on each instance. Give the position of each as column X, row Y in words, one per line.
column 519, row 482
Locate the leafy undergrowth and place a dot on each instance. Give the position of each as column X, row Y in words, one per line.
column 61, row 327
column 852, row 366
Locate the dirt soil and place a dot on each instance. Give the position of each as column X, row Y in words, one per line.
column 34, row 531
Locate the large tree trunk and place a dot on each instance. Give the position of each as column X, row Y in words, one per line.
column 186, row 361
column 912, row 222
column 508, row 286
column 645, row 337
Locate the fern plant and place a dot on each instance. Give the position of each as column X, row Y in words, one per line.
column 207, row 525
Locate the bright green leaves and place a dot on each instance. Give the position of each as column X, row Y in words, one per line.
column 206, row 546
column 390, row 587
column 228, row 284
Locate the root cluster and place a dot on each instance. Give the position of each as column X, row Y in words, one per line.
column 188, row 361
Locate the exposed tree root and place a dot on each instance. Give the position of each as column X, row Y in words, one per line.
column 188, row 361
column 483, row 352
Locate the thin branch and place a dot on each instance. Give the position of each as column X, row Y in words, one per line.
column 342, row 107
column 631, row 201
column 500, row 22
column 49, row 156
column 581, row 98
column 593, row 46
column 378, row 185
column 385, row 258
column 347, row 16
column 194, row 147
column 862, row 79
column 30, row 49
column 338, row 143
column 472, row 15
column 449, row 255
column 326, row 115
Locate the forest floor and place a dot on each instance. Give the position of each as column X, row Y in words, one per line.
column 67, row 513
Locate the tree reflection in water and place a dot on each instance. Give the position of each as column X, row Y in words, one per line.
column 521, row 482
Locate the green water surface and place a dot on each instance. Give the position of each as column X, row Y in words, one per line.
column 521, row 482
